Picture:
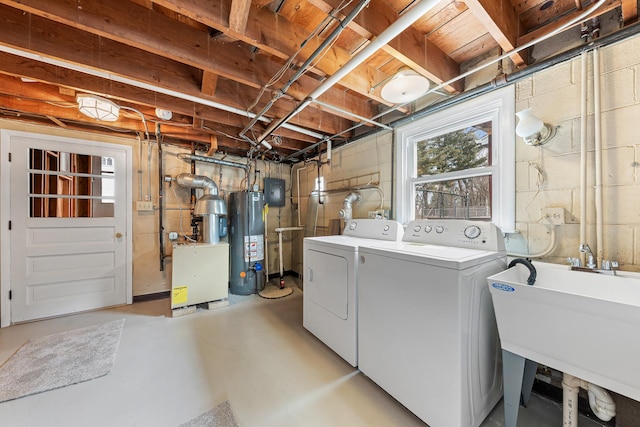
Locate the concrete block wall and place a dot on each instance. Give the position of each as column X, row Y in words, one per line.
column 366, row 162
column 548, row 176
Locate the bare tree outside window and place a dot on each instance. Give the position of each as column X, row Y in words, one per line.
column 454, row 197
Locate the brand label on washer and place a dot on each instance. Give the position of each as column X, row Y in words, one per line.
column 503, row 287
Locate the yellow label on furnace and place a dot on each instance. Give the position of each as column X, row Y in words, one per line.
column 179, row 295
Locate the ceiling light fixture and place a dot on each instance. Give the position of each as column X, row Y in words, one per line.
column 405, row 86
column 98, row 108
column 533, row 130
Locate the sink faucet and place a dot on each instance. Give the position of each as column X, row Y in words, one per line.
column 607, row 267
column 585, row 249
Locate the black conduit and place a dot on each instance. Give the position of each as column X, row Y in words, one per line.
column 160, row 195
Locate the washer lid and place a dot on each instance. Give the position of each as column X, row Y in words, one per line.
column 441, row 256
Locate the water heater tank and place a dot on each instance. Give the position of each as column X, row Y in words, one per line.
column 246, row 242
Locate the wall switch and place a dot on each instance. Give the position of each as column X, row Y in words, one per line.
column 144, row 205
column 555, row 216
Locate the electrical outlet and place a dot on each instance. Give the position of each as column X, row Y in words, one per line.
column 555, row 216
column 144, row 205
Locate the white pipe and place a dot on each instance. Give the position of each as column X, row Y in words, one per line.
column 583, row 153
column 392, row 31
column 601, row 402
column 547, row 251
column 347, row 212
column 279, row 230
column 298, row 191
column 598, row 156
column 570, row 387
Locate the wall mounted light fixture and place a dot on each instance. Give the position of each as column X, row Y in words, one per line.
column 405, row 86
column 533, row 130
column 98, row 108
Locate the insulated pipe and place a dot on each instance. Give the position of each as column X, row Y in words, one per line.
column 347, row 212
column 206, row 159
column 197, row 181
column 583, row 153
column 598, row 156
column 401, row 24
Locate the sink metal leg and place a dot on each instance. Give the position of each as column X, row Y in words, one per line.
column 512, row 376
column 530, row 368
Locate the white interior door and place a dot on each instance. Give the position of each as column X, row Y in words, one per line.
column 70, row 221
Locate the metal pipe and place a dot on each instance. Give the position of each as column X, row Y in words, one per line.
column 385, row 37
column 347, row 207
column 160, row 196
column 197, row 181
column 303, row 68
column 207, row 159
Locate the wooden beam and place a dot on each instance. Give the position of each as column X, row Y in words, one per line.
column 239, row 15
column 165, row 37
column 500, row 19
column 209, row 83
column 72, row 45
column 77, row 81
column 629, row 11
column 608, row 6
column 279, row 37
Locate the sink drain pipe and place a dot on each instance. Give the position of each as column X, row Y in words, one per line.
column 600, row 400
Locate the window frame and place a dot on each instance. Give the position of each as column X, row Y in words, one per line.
column 498, row 107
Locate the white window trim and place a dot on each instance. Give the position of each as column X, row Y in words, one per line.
column 498, row 107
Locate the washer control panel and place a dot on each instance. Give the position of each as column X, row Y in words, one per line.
column 455, row 232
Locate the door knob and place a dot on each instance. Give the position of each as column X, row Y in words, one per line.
column 118, row 235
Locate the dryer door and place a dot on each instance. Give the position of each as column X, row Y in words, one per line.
column 326, row 282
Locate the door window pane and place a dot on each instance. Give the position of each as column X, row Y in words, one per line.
column 70, row 185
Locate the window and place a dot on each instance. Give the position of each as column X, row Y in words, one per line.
column 460, row 162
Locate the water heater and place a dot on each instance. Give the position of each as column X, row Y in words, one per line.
column 246, row 242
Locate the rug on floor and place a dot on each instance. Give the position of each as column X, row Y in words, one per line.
column 60, row 359
column 220, row 416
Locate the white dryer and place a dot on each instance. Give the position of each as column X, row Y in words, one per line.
column 330, row 282
column 426, row 328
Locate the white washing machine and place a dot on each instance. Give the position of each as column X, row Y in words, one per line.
column 330, row 282
column 426, row 328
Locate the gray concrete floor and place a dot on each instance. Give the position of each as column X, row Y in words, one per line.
column 254, row 353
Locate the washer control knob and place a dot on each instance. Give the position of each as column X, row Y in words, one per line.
column 427, row 228
column 353, row 225
column 386, row 228
column 439, row 229
column 416, row 228
column 472, row 231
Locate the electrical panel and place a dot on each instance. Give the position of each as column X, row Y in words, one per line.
column 274, row 192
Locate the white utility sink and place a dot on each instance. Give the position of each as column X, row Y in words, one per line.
column 582, row 323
